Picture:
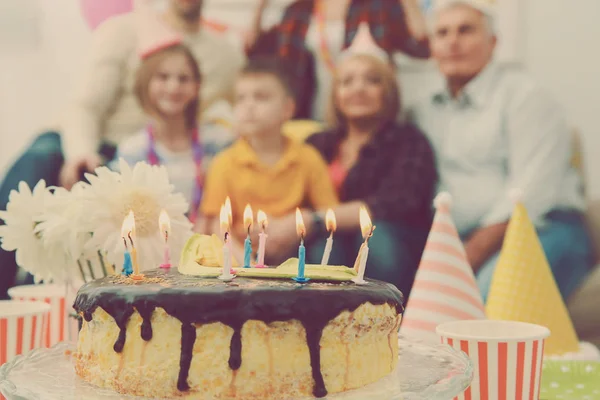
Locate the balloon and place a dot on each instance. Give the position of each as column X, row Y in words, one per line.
column 97, row 11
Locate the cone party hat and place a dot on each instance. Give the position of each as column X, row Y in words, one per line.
column 445, row 288
column 523, row 287
column 153, row 34
column 364, row 44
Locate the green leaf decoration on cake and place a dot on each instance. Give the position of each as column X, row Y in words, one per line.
column 202, row 249
column 570, row 380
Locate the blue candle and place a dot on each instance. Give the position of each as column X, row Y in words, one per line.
column 301, row 230
column 248, row 220
column 301, row 259
column 247, row 251
column 127, row 267
column 301, row 263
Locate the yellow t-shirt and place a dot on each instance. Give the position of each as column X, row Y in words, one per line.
column 298, row 179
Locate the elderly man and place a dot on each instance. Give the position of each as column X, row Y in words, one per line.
column 494, row 130
column 104, row 110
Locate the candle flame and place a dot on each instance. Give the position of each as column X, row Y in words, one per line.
column 228, row 210
column 224, row 219
column 300, row 228
column 261, row 218
column 164, row 223
column 248, row 217
column 330, row 221
column 366, row 226
column 128, row 227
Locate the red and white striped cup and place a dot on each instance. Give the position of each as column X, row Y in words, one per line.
column 53, row 294
column 21, row 327
column 507, row 357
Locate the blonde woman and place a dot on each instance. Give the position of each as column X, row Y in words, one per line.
column 378, row 163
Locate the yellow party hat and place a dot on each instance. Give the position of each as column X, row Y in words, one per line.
column 523, row 287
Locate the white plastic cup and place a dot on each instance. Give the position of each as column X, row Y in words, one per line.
column 60, row 326
column 22, row 325
column 507, row 357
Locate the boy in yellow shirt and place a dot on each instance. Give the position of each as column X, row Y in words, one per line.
column 263, row 167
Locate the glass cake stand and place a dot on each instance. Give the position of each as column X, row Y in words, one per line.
column 424, row 372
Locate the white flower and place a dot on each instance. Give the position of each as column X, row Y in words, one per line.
column 143, row 189
column 20, row 233
column 59, row 223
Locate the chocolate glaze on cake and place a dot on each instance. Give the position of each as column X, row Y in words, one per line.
column 195, row 300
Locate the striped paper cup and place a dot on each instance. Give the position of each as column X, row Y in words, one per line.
column 21, row 327
column 58, row 327
column 507, row 357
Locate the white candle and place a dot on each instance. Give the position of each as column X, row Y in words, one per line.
column 164, row 224
column 362, row 265
column 226, row 274
column 327, row 252
column 331, row 224
column 367, row 229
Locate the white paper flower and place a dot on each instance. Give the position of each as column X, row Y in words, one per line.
column 59, row 223
column 145, row 190
column 20, row 233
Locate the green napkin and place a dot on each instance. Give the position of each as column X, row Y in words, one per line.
column 570, row 380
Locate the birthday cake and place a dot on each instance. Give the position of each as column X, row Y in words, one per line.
column 174, row 335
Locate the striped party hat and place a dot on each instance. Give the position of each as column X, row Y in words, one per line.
column 444, row 288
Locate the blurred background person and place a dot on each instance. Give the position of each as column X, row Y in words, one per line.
column 377, row 163
column 494, row 130
column 312, row 34
column 104, row 110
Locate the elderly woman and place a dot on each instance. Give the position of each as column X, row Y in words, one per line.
column 376, row 162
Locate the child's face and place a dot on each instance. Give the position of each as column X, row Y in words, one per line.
column 173, row 86
column 262, row 105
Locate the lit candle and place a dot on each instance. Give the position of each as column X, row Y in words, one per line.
column 262, row 238
column 230, row 223
column 367, row 228
column 301, row 230
column 330, row 222
column 164, row 223
column 248, row 220
column 226, row 275
column 127, row 269
column 228, row 210
column 129, row 228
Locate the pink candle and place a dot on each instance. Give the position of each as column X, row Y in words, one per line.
column 262, row 239
column 167, row 256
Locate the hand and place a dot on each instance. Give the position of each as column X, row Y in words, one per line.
column 476, row 256
column 254, row 32
column 484, row 243
column 72, row 169
column 283, row 238
column 250, row 39
column 415, row 20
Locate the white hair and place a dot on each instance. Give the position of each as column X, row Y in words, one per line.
column 489, row 20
